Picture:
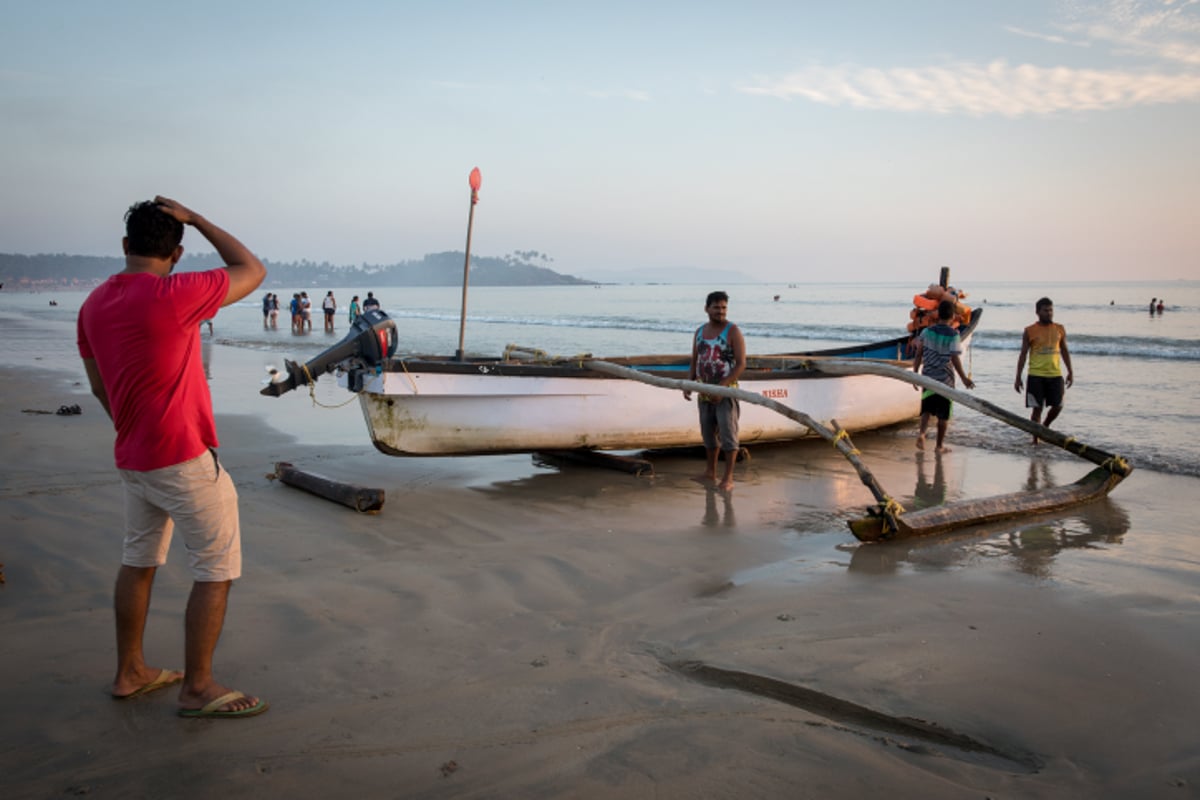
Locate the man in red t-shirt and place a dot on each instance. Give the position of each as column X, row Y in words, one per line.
column 139, row 337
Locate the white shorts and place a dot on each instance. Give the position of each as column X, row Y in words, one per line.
column 198, row 498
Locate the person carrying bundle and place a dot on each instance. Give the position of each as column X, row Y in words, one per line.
column 938, row 351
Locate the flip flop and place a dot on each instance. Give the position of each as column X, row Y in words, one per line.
column 210, row 710
column 165, row 678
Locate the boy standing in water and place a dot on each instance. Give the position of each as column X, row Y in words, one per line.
column 1045, row 343
column 938, row 349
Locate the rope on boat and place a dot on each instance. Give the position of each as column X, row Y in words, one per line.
column 842, row 433
column 1117, row 465
column 542, row 357
column 890, row 510
column 411, row 380
column 312, row 391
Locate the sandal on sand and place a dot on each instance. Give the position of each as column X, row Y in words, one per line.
column 66, row 411
column 211, row 709
column 166, row 677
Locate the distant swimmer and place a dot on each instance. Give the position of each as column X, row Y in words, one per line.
column 1160, row 305
column 1153, row 300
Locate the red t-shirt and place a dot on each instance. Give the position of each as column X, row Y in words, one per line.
column 144, row 333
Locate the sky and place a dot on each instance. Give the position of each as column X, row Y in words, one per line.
column 789, row 141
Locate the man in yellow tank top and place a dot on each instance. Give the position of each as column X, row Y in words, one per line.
column 1045, row 344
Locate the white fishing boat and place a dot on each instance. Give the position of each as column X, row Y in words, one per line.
column 525, row 401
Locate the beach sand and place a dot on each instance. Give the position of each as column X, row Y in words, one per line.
column 503, row 629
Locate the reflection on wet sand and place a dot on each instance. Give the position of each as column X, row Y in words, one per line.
column 712, row 518
column 1032, row 546
column 926, row 494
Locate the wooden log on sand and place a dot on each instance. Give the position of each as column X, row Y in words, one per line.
column 360, row 498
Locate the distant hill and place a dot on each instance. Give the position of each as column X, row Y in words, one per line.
column 435, row 269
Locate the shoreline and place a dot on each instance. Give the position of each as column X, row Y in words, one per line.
column 504, row 629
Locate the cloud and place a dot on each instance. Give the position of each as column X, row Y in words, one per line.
column 1163, row 35
column 1045, row 37
column 1165, row 30
column 982, row 90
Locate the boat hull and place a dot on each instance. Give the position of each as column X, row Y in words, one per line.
column 422, row 412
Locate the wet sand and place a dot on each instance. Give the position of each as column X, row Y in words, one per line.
column 504, row 629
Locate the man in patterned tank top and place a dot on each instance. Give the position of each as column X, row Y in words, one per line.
column 719, row 358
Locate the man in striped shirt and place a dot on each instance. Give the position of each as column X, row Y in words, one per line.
column 938, row 350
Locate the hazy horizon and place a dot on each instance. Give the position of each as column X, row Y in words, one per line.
column 871, row 140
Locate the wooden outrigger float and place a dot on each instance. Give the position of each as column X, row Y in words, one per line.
column 878, row 526
column 887, row 519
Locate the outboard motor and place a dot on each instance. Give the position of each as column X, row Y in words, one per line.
column 371, row 341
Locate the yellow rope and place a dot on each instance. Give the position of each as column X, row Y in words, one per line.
column 842, row 433
column 312, row 391
column 412, row 381
column 890, row 510
column 1116, row 464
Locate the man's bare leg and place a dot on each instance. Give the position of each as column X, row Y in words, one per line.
column 1052, row 415
column 131, row 605
column 710, row 466
column 942, row 425
column 205, row 618
column 730, row 462
column 1036, row 416
column 921, row 433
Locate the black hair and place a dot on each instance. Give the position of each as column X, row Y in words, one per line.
column 151, row 231
column 946, row 309
column 714, row 297
column 1045, row 301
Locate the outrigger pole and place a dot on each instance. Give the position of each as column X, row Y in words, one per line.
column 849, row 366
column 476, row 180
column 888, row 519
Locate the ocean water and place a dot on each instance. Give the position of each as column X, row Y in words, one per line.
column 1135, row 373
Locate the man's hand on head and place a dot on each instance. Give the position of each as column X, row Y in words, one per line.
column 176, row 210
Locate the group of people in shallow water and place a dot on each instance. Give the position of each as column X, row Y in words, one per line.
column 300, row 307
column 719, row 358
column 1156, row 305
